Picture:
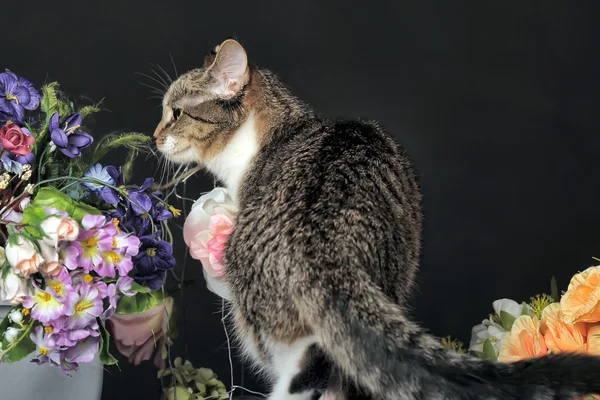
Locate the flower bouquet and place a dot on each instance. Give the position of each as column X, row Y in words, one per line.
column 79, row 244
column 546, row 324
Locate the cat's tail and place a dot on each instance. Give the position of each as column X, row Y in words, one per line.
column 384, row 353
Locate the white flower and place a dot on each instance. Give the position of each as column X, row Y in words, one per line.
column 15, row 316
column 491, row 330
column 59, row 227
column 484, row 331
column 11, row 334
column 13, row 288
column 509, row 306
column 23, row 257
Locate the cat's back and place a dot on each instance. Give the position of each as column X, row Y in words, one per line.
column 341, row 190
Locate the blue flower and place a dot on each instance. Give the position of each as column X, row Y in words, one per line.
column 11, row 165
column 100, row 173
column 16, row 95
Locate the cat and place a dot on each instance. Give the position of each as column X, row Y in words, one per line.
column 326, row 246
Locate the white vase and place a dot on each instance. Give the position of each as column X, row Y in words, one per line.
column 24, row 380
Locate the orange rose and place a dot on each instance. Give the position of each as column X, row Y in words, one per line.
column 581, row 302
column 559, row 335
column 523, row 341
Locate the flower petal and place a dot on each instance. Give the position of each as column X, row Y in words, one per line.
column 109, row 195
column 59, row 137
column 22, row 94
column 54, row 121
column 80, row 140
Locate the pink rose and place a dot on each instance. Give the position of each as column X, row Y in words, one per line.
column 59, row 227
column 15, row 139
column 138, row 335
column 23, row 257
column 207, row 228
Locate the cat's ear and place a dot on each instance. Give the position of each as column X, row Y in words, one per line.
column 229, row 69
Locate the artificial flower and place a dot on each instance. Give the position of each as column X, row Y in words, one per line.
column 11, row 333
column 136, row 198
column 154, row 258
column 523, row 341
column 581, row 301
column 15, row 316
column 61, row 282
column 124, row 285
column 207, row 227
column 95, row 237
column 16, row 140
column 23, row 257
column 487, row 330
column 15, row 214
column 16, row 95
column 98, row 173
column 559, row 335
column 46, row 346
column 84, row 351
column 83, row 306
column 44, row 305
column 137, row 335
column 68, row 141
column 13, row 288
column 59, row 226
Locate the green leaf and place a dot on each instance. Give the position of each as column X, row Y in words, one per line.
column 52, row 197
column 49, row 103
column 507, row 320
column 22, row 346
column 554, row 293
column 133, row 142
column 139, row 303
column 104, row 354
column 64, row 108
column 89, row 110
column 489, row 353
column 136, row 287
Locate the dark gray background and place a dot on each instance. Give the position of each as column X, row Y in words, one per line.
column 496, row 102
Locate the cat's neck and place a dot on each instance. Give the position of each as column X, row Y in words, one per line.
column 271, row 106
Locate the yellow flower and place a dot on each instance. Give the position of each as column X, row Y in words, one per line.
column 581, row 302
column 523, row 341
column 175, row 211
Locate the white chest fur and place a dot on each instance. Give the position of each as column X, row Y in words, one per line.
column 233, row 162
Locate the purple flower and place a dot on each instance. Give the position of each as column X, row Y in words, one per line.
column 45, row 305
column 83, row 306
column 46, row 346
column 136, row 198
column 124, row 285
column 95, row 237
column 84, row 351
column 16, row 95
column 154, row 258
column 66, row 139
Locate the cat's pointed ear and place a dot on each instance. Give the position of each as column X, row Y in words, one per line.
column 229, row 69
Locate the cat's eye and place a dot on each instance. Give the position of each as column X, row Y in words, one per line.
column 176, row 113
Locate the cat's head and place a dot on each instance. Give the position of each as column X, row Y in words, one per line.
column 204, row 106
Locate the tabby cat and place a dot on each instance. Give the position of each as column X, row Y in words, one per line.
column 326, row 246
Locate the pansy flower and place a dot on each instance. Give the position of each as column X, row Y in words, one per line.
column 16, row 95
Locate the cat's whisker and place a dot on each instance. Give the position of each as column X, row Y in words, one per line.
column 165, row 73
column 162, row 84
column 174, row 67
column 153, row 89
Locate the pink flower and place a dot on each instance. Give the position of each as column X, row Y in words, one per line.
column 23, row 257
column 58, row 227
column 137, row 335
column 207, row 228
column 15, row 139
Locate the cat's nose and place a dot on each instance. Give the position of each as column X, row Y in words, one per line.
column 159, row 129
